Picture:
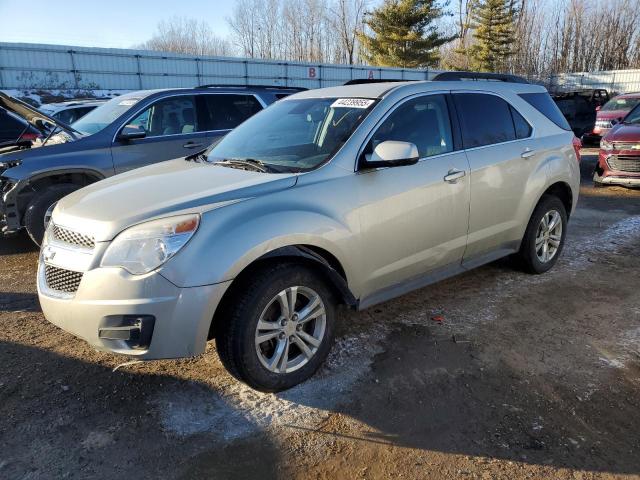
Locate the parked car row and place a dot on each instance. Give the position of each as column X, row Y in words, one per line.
column 126, row 132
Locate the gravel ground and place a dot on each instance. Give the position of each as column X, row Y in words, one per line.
column 526, row 377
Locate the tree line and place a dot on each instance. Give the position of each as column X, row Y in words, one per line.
column 534, row 38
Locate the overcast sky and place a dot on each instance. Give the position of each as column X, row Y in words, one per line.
column 113, row 23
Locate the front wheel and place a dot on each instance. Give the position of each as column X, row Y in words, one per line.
column 36, row 213
column 545, row 235
column 278, row 327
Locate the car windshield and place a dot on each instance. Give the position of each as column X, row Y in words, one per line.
column 294, row 135
column 102, row 116
column 620, row 103
column 633, row 117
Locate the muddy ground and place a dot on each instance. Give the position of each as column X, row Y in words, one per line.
column 542, row 381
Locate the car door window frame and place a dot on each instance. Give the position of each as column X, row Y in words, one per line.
column 483, row 92
column 398, row 104
column 189, row 94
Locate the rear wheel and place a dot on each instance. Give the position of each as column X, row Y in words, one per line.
column 39, row 207
column 545, row 235
column 278, row 327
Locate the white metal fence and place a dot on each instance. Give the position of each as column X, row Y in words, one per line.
column 617, row 81
column 25, row 66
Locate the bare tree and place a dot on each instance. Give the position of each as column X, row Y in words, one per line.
column 187, row 35
column 345, row 17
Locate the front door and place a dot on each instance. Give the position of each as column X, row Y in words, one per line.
column 172, row 131
column 414, row 219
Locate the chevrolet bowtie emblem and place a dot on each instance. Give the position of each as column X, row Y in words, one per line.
column 48, row 253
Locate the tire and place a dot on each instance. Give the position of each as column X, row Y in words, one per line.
column 532, row 258
column 37, row 208
column 256, row 298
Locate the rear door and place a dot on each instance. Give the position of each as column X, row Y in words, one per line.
column 222, row 112
column 172, row 131
column 502, row 157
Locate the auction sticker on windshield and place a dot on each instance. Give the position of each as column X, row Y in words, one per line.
column 352, row 103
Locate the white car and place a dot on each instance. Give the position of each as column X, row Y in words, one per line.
column 69, row 112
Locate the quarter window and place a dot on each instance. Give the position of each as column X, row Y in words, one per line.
column 423, row 121
column 523, row 129
column 171, row 116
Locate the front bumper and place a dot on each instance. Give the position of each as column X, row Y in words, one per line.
column 606, row 174
column 181, row 316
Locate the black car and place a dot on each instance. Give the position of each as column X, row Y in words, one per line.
column 127, row 132
column 15, row 129
column 580, row 108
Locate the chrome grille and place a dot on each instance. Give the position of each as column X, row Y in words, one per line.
column 626, row 146
column 62, row 280
column 73, row 238
column 625, row 163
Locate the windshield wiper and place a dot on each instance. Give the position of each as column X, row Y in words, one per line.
column 251, row 163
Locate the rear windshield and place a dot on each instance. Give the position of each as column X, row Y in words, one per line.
column 546, row 106
column 621, row 103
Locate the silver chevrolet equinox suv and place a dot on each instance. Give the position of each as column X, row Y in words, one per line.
column 344, row 195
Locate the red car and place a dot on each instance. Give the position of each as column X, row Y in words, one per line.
column 611, row 113
column 619, row 159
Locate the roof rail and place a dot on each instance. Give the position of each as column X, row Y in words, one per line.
column 275, row 87
column 496, row 77
column 362, row 81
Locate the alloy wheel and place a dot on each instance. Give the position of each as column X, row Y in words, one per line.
column 548, row 236
column 290, row 329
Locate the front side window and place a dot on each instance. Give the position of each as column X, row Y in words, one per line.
column 423, row 121
column 224, row 112
column 633, row 118
column 170, row 116
column 294, row 135
column 487, row 119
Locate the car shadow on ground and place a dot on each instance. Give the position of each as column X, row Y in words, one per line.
column 18, row 302
column 15, row 244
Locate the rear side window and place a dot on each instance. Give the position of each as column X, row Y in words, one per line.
column 546, row 106
column 485, row 119
column 224, row 112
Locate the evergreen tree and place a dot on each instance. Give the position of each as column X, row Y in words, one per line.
column 494, row 34
column 405, row 34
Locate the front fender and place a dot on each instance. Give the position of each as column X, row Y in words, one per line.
column 231, row 238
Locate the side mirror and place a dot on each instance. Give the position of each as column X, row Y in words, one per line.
column 392, row 153
column 129, row 132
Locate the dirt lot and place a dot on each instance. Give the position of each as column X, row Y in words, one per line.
column 542, row 381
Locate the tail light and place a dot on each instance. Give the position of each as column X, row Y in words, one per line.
column 29, row 136
column 577, row 145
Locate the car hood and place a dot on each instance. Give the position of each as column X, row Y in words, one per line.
column 624, row 133
column 105, row 208
column 35, row 117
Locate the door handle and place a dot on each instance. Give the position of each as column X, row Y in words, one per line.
column 454, row 175
column 192, row 145
column 527, row 153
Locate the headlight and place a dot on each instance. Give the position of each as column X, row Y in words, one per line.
column 143, row 248
column 606, row 146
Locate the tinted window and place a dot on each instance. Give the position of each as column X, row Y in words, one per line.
column 171, row 116
column 523, row 129
column 10, row 127
column 545, row 105
column 423, row 121
column 224, row 112
column 485, row 119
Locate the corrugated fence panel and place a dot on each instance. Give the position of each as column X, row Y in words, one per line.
column 616, row 81
column 24, row 65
